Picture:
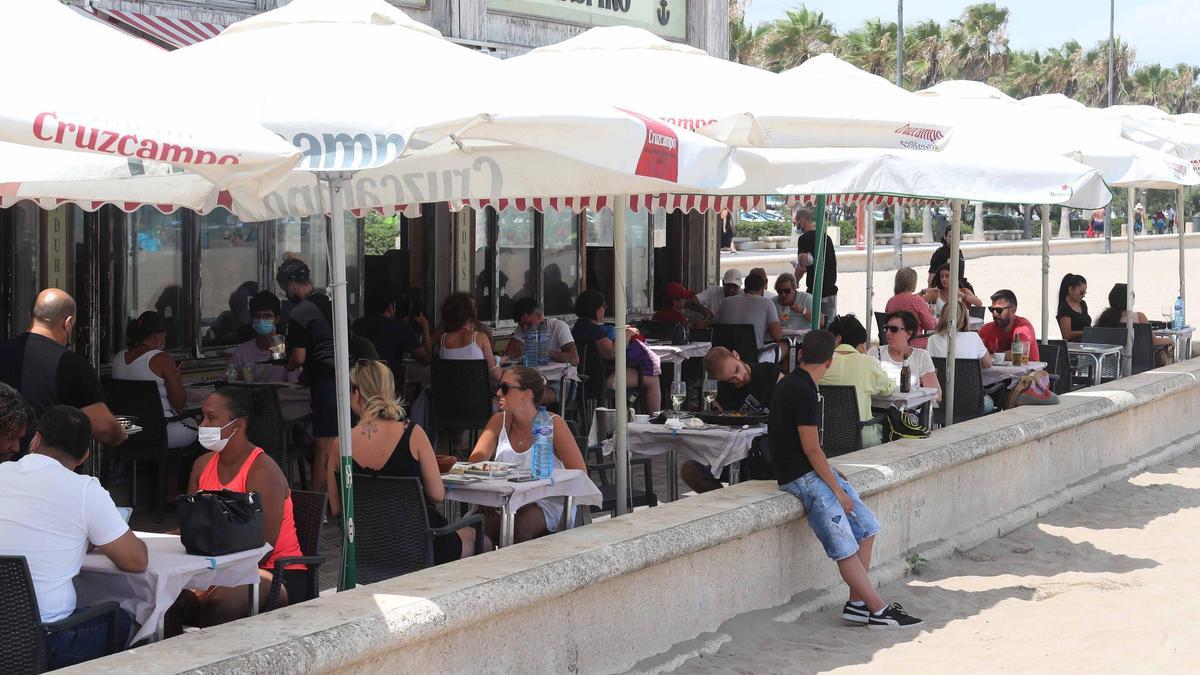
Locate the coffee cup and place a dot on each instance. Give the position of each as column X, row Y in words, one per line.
column 641, row 419
column 998, row 358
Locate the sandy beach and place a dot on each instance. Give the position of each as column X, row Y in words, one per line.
column 1105, row 585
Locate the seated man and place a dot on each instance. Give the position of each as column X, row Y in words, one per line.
column 16, row 417
column 264, row 313
column 714, row 296
column 528, row 317
column 754, row 309
column 1006, row 326
column 50, row 515
column 679, row 298
column 739, row 383
column 852, row 367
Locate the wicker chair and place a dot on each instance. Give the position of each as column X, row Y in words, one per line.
column 1058, row 361
column 741, row 338
column 1143, row 346
column 976, row 312
column 880, row 323
column 268, row 429
column 140, row 399
column 968, row 389
column 462, row 395
column 841, row 430
column 308, row 510
column 23, row 649
column 605, row 479
column 657, row 330
column 392, row 532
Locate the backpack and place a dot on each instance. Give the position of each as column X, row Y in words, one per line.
column 901, row 423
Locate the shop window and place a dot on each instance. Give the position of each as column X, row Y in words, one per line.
column 637, row 257
column 560, row 262
column 308, row 239
column 156, row 278
column 519, row 254
column 229, row 277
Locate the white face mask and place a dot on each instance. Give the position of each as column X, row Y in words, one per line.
column 210, row 437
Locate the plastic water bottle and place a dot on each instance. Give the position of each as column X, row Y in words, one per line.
column 1177, row 323
column 541, row 455
column 543, row 346
column 529, row 349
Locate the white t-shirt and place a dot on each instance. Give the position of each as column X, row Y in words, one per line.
column 49, row 514
column 967, row 345
column 919, row 363
column 557, row 329
column 712, row 297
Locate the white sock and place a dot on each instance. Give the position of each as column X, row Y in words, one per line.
column 857, row 603
column 885, row 606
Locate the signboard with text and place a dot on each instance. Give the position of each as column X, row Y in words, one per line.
column 667, row 18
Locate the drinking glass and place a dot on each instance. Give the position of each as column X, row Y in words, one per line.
column 678, row 396
column 710, row 393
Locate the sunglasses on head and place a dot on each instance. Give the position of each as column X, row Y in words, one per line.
column 506, row 387
column 997, row 310
column 894, row 329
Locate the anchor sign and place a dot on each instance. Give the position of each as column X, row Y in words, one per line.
column 664, row 14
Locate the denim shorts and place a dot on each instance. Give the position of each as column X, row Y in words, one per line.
column 839, row 533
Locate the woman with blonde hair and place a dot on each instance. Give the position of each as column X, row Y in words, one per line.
column 907, row 300
column 967, row 344
column 383, row 443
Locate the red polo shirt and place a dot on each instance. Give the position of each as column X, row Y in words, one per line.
column 998, row 341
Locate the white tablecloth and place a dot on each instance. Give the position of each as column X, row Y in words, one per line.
column 714, row 446
column 996, row 374
column 492, row 491
column 148, row 595
column 680, row 353
column 295, row 401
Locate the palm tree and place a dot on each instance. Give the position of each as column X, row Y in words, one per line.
column 1183, row 91
column 1152, row 84
column 1093, row 77
column 928, row 47
column 1025, row 75
column 979, row 40
column 799, row 36
column 746, row 42
column 871, row 48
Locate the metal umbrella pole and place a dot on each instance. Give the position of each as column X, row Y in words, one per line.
column 952, row 307
column 341, row 363
column 621, row 430
column 1180, row 227
column 1045, row 272
column 1127, row 357
column 818, row 260
column 867, row 214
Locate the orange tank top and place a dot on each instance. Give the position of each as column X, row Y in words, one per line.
column 286, row 544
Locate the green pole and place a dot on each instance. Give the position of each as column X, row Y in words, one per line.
column 818, row 260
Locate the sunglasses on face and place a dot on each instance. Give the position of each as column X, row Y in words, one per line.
column 997, row 310
column 505, row 387
column 783, row 291
column 894, row 329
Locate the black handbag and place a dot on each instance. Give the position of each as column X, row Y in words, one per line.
column 219, row 522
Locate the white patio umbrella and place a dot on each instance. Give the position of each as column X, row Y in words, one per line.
column 52, row 51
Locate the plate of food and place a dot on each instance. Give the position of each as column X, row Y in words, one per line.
column 490, row 469
column 459, row 479
column 734, row 418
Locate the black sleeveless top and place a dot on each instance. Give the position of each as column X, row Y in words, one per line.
column 400, row 463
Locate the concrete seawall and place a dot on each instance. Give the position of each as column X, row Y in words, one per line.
column 602, row 597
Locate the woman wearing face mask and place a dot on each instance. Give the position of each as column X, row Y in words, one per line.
column 144, row 359
column 264, row 311
column 235, row 463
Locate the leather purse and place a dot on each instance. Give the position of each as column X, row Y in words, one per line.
column 219, row 522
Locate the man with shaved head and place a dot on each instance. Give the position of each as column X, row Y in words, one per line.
column 38, row 364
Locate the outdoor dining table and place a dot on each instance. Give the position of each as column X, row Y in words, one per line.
column 917, row 397
column 1096, row 353
column 677, row 354
column 1000, row 373
column 715, row 446
column 572, row 485
column 1182, row 337
column 148, row 595
column 794, row 336
column 295, row 401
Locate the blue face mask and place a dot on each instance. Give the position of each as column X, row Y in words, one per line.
column 263, row 326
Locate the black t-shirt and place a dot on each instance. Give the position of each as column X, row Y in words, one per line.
column 48, row 374
column 392, row 338
column 310, row 327
column 942, row 256
column 763, row 377
column 793, row 404
column 807, row 243
column 586, row 333
column 1079, row 320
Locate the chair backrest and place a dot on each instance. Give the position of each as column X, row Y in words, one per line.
column 267, row 429
column 840, row 432
column 968, row 386
column 391, row 527
column 976, row 312
column 739, row 337
column 23, row 648
column 591, row 366
column 657, row 330
column 880, row 322
column 462, row 393
column 140, row 399
column 1058, row 360
column 1143, row 342
column 308, row 510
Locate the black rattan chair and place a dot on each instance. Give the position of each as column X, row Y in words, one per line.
column 462, row 395
column 968, row 390
column 1058, row 363
column 308, row 510
column 605, row 479
column 392, row 532
column 880, row 322
column 140, row 399
column 23, row 649
column 1143, row 346
column 976, row 312
column 741, row 338
column 268, row 429
column 657, row 330
column 841, row 430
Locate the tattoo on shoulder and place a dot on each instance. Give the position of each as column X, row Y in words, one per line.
column 369, row 429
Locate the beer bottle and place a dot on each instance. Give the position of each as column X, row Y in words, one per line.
column 905, row 378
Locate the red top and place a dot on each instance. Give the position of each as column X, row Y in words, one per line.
column 669, row 314
column 997, row 341
column 916, row 305
column 287, row 545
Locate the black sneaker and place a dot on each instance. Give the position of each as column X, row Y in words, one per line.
column 893, row 616
column 855, row 614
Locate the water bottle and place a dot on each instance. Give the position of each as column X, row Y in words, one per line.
column 543, row 346
column 1177, row 323
column 529, row 349
column 541, row 455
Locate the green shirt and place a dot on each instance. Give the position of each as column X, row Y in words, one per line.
column 868, row 379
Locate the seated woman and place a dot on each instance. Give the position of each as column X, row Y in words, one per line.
column 967, row 345
column 459, row 337
column 384, row 444
column 1072, row 311
column 905, row 298
column 235, row 463
column 508, row 437
column 940, row 293
column 899, row 329
column 1117, row 314
column 145, row 360
column 591, row 334
column 264, row 313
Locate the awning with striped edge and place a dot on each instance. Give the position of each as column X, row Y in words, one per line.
column 175, row 32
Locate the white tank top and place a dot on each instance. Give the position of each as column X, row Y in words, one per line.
column 470, row 352
column 140, row 370
column 506, row 453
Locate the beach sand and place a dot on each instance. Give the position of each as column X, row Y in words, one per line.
column 1105, row 585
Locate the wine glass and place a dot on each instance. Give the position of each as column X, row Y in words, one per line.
column 710, row 393
column 678, row 396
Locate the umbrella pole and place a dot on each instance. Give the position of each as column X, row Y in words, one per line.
column 952, row 307
column 1127, row 357
column 1046, row 272
column 897, row 234
column 868, row 215
column 341, row 363
column 1180, row 227
column 621, row 432
column 818, row 260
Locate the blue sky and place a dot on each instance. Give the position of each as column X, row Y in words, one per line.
column 1162, row 31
